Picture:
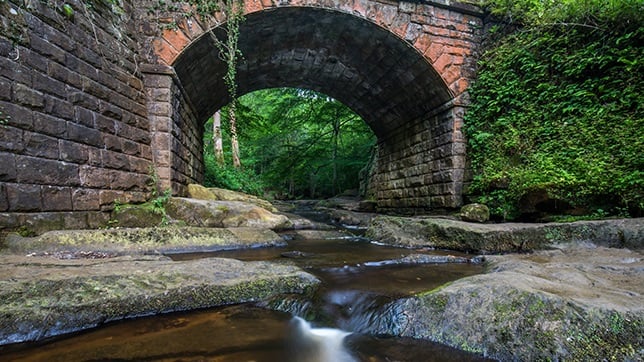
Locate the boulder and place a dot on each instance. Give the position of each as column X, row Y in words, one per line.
column 202, row 193
column 475, row 213
column 579, row 304
column 136, row 216
column 211, row 213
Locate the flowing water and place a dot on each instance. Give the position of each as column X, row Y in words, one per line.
column 358, row 277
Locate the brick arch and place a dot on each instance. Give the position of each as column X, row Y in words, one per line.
column 369, row 69
column 446, row 33
column 403, row 67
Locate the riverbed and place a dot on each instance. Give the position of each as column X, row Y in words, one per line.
column 357, row 277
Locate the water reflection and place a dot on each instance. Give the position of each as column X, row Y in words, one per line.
column 352, row 298
column 229, row 334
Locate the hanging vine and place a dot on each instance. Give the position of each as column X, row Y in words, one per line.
column 229, row 53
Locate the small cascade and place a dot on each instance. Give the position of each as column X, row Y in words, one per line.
column 308, row 344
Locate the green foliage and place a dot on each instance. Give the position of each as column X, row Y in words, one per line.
column 560, row 108
column 297, row 143
column 231, row 178
column 605, row 14
column 3, row 117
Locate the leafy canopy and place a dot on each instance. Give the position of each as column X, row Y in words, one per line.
column 294, row 143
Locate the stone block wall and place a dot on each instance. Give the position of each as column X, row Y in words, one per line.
column 175, row 130
column 75, row 135
column 421, row 166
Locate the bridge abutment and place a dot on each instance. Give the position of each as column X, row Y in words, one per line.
column 421, row 167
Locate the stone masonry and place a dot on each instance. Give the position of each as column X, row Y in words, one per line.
column 404, row 67
column 75, row 135
column 99, row 104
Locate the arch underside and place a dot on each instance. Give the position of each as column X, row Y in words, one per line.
column 375, row 73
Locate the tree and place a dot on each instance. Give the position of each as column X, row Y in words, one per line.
column 217, row 139
column 300, row 143
column 230, row 54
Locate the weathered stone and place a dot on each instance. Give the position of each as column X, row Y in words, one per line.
column 56, row 198
column 8, row 169
column 508, row 237
column 24, row 197
column 11, row 139
column 85, row 199
column 569, row 304
column 39, row 145
column 211, row 213
column 118, row 288
column 4, row 201
column 475, row 213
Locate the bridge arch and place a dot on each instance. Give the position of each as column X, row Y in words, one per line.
column 403, row 67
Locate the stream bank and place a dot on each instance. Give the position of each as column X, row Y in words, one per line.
column 580, row 298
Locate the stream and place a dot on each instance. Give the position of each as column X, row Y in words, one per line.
column 358, row 276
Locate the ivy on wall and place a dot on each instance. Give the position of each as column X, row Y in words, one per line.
column 558, row 108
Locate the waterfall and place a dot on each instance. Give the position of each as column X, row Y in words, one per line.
column 309, row 344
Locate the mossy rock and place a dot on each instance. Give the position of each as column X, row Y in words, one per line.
column 44, row 297
column 560, row 305
column 136, row 216
column 475, row 213
column 200, row 192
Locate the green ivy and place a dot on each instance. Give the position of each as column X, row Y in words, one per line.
column 560, row 108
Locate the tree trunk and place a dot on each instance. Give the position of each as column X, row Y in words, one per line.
column 216, row 137
column 336, row 135
column 233, row 134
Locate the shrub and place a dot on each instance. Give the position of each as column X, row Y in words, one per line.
column 559, row 107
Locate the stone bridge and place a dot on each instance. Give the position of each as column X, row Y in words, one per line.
column 106, row 102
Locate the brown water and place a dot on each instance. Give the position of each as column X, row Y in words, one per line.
column 353, row 289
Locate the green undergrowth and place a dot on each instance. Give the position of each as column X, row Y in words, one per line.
column 557, row 107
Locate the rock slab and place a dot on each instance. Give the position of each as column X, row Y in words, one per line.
column 579, row 304
column 451, row 234
column 43, row 297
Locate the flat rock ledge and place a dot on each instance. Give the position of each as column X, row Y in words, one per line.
column 580, row 303
column 129, row 241
column 442, row 233
column 43, row 296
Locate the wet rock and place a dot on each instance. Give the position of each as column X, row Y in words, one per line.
column 347, row 217
column 296, row 254
column 141, row 240
column 210, row 213
column 509, row 237
column 319, row 234
column 578, row 303
column 44, row 297
column 368, row 206
column 413, row 259
column 300, row 222
column 475, row 213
